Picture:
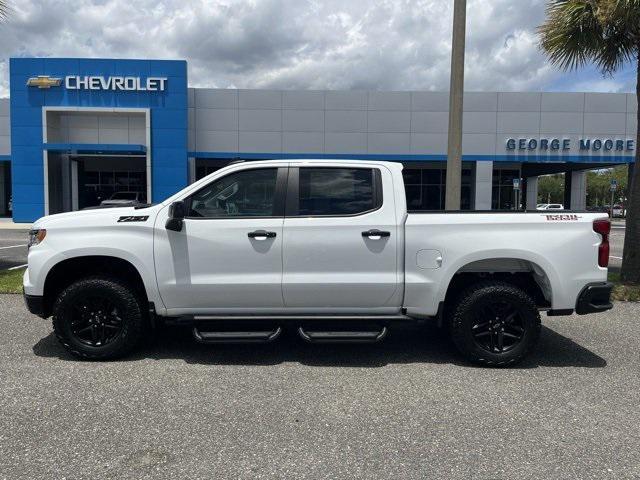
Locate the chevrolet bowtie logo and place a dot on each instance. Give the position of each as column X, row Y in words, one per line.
column 44, row 81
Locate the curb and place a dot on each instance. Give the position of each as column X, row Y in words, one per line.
column 14, row 226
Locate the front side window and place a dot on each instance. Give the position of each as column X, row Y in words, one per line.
column 248, row 193
column 335, row 191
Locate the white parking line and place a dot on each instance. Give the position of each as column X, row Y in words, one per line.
column 617, row 258
column 17, row 267
column 13, row 246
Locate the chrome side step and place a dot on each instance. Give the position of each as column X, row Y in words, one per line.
column 229, row 336
column 342, row 336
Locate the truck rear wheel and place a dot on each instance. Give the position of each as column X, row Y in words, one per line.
column 494, row 323
column 98, row 318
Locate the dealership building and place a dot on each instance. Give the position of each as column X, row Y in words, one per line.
column 77, row 131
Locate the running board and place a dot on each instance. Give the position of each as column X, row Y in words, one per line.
column 298, row 318
column 224, row 336
column 342, row 336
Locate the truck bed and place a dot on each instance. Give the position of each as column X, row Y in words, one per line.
column 561, row 249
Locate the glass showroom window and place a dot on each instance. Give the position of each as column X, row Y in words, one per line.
column 204, row 170
column 503, row 195
column 206, row 166
column 425, row 188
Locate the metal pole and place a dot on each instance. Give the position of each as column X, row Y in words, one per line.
column 456, row 93
column 613, row 192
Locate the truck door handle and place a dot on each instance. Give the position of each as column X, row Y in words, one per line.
column 373, row 233
column 261, row 234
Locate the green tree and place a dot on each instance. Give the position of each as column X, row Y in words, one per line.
column 551, row 189
column 607, row 34
column 599, row 186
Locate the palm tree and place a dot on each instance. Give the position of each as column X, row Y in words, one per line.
column 4, row 8
column 607, row 34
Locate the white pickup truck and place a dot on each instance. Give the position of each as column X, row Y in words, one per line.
column 325, row 247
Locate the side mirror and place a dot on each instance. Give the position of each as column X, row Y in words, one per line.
column 176, row 217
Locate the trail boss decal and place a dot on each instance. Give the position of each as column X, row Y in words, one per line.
column 133, row 218
column 562, row 217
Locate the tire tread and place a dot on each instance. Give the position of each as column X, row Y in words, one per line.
column 464, row 303
column 134, row 326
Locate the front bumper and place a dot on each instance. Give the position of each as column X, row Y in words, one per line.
column 594, row 297
column 35, row 304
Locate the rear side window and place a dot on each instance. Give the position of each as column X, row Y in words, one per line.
column 337, row 191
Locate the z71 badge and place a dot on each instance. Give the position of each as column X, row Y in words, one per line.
column 133, row 218
column 561, row 217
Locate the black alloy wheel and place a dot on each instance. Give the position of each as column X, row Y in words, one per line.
column 96, row 320
column 99, row 318
column 494, row 323
column 498, row 327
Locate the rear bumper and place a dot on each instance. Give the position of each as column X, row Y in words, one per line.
column 35, row 304
column 594, row 297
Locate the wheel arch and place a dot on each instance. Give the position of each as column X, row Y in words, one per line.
column 66, row 271
column 521, row 268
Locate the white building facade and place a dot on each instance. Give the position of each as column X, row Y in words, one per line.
column 80, row 147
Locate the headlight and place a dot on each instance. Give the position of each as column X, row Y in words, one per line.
column 36, row 236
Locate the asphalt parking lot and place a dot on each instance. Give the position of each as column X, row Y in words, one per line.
column 406, row 408
column 13, row 248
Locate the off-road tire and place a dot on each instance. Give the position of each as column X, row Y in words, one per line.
column 463, row 316
column 122, row 295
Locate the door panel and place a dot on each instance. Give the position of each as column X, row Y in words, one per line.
column 328, row 262
column 215, row 264
column 220, row 259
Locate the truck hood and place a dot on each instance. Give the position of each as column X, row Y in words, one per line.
column 95, row 217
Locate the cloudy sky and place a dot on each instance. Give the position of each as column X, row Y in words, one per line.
column 308, row 44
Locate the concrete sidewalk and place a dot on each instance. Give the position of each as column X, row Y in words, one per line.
column 9, row 224
column 619, row 222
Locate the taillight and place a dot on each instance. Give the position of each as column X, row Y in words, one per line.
column 603, row 227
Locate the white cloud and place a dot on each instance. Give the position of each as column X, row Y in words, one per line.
column 378, row 44
column 602, row 85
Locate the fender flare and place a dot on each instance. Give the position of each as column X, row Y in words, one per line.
column 148, row 278
column 543, row 264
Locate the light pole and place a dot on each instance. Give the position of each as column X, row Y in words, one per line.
column 456, row 93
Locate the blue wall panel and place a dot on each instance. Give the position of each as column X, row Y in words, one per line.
column 168, row 120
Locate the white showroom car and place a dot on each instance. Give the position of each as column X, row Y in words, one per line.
column 550, row 206
column 123, row 199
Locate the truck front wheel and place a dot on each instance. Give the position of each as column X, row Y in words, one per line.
column 494, row 323
column 98, row 318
